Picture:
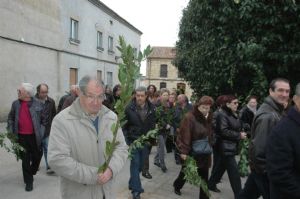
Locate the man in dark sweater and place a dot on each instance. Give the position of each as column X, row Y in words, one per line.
column 283, row 154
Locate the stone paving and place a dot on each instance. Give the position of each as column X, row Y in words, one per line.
column 46, row 187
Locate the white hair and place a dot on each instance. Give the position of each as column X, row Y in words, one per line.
column 28, row 88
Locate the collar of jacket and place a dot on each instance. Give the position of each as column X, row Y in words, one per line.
column 294, row 114
column 77, row 111
column 276, row 106
column 200, row 117
column 149, row 104
column 228, row 111
column 29, row 103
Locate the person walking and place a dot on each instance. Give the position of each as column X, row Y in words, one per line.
column 140, row 116
column 27, row 119
column 283, row 154
column 230, row 132
column 267, row 116
column 196, row 125
column 77, row 145
column 49, row 104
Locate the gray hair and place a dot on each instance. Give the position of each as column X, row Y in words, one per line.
column 141, row 89
column 85, row 81
column 297, row 90
column 28, row 88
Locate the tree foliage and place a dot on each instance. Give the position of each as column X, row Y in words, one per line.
column 128, row 72
column 238, row 46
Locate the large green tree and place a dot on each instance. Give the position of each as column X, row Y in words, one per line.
column 238, row 46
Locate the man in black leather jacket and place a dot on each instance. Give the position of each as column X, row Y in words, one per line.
column 283, row 154
column 267, row 116
column 140, row 116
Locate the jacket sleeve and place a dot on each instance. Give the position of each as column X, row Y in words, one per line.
column 120, row 154
column 125, row 127
column 11, row 119
column 260, row 131
column 184, row 138
column 280, row 164
column 225, row 130
column 60, row 160
column 53, row 110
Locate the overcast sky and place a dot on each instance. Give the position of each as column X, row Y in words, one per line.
column 157, row 19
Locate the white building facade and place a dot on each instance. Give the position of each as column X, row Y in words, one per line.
column 57, row 42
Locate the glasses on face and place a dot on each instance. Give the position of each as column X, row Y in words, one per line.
column 92, row 98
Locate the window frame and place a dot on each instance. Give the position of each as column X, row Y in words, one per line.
column 74, row 31
column 100, row 41
column 162, row 83
column 163, row 73
column 110, row 47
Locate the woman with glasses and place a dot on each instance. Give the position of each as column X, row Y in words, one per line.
column 229, row 128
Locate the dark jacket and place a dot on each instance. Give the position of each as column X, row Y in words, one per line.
column 109, row 100
column 180, row 113
column 164, row 117
column 68, row 101
column 267, row 116
column 134, row 126
column 246, row 115
column 215, row 134
column 49, row 105
column 39, row 118
column 283, row 157
column 195, row 126
column 61, row 102
column 228, row 128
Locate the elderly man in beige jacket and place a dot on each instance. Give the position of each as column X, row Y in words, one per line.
column 77, row 145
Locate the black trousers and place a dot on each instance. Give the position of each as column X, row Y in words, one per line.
column 31, row 157
column 257, row 185
column 227, row 163
column 216, row 162
column 180, row 181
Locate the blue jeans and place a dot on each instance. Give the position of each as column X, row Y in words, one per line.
column 45, row 149
column 136, row 166
column 256, row 185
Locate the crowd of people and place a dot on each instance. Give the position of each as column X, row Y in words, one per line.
column 78, row 130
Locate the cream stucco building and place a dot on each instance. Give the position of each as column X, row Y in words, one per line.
column 57, row 42
column 161, row 72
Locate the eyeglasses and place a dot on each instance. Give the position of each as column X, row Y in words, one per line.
column 93, row 97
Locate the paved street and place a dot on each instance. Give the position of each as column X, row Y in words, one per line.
column 46, row 187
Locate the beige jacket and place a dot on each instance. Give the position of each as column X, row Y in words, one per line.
column 75, row 152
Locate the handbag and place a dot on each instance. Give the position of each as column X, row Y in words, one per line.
column 201, row 147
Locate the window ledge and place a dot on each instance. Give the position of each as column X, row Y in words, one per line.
column 100, row 49
column 74, row 41
column 111, row 52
